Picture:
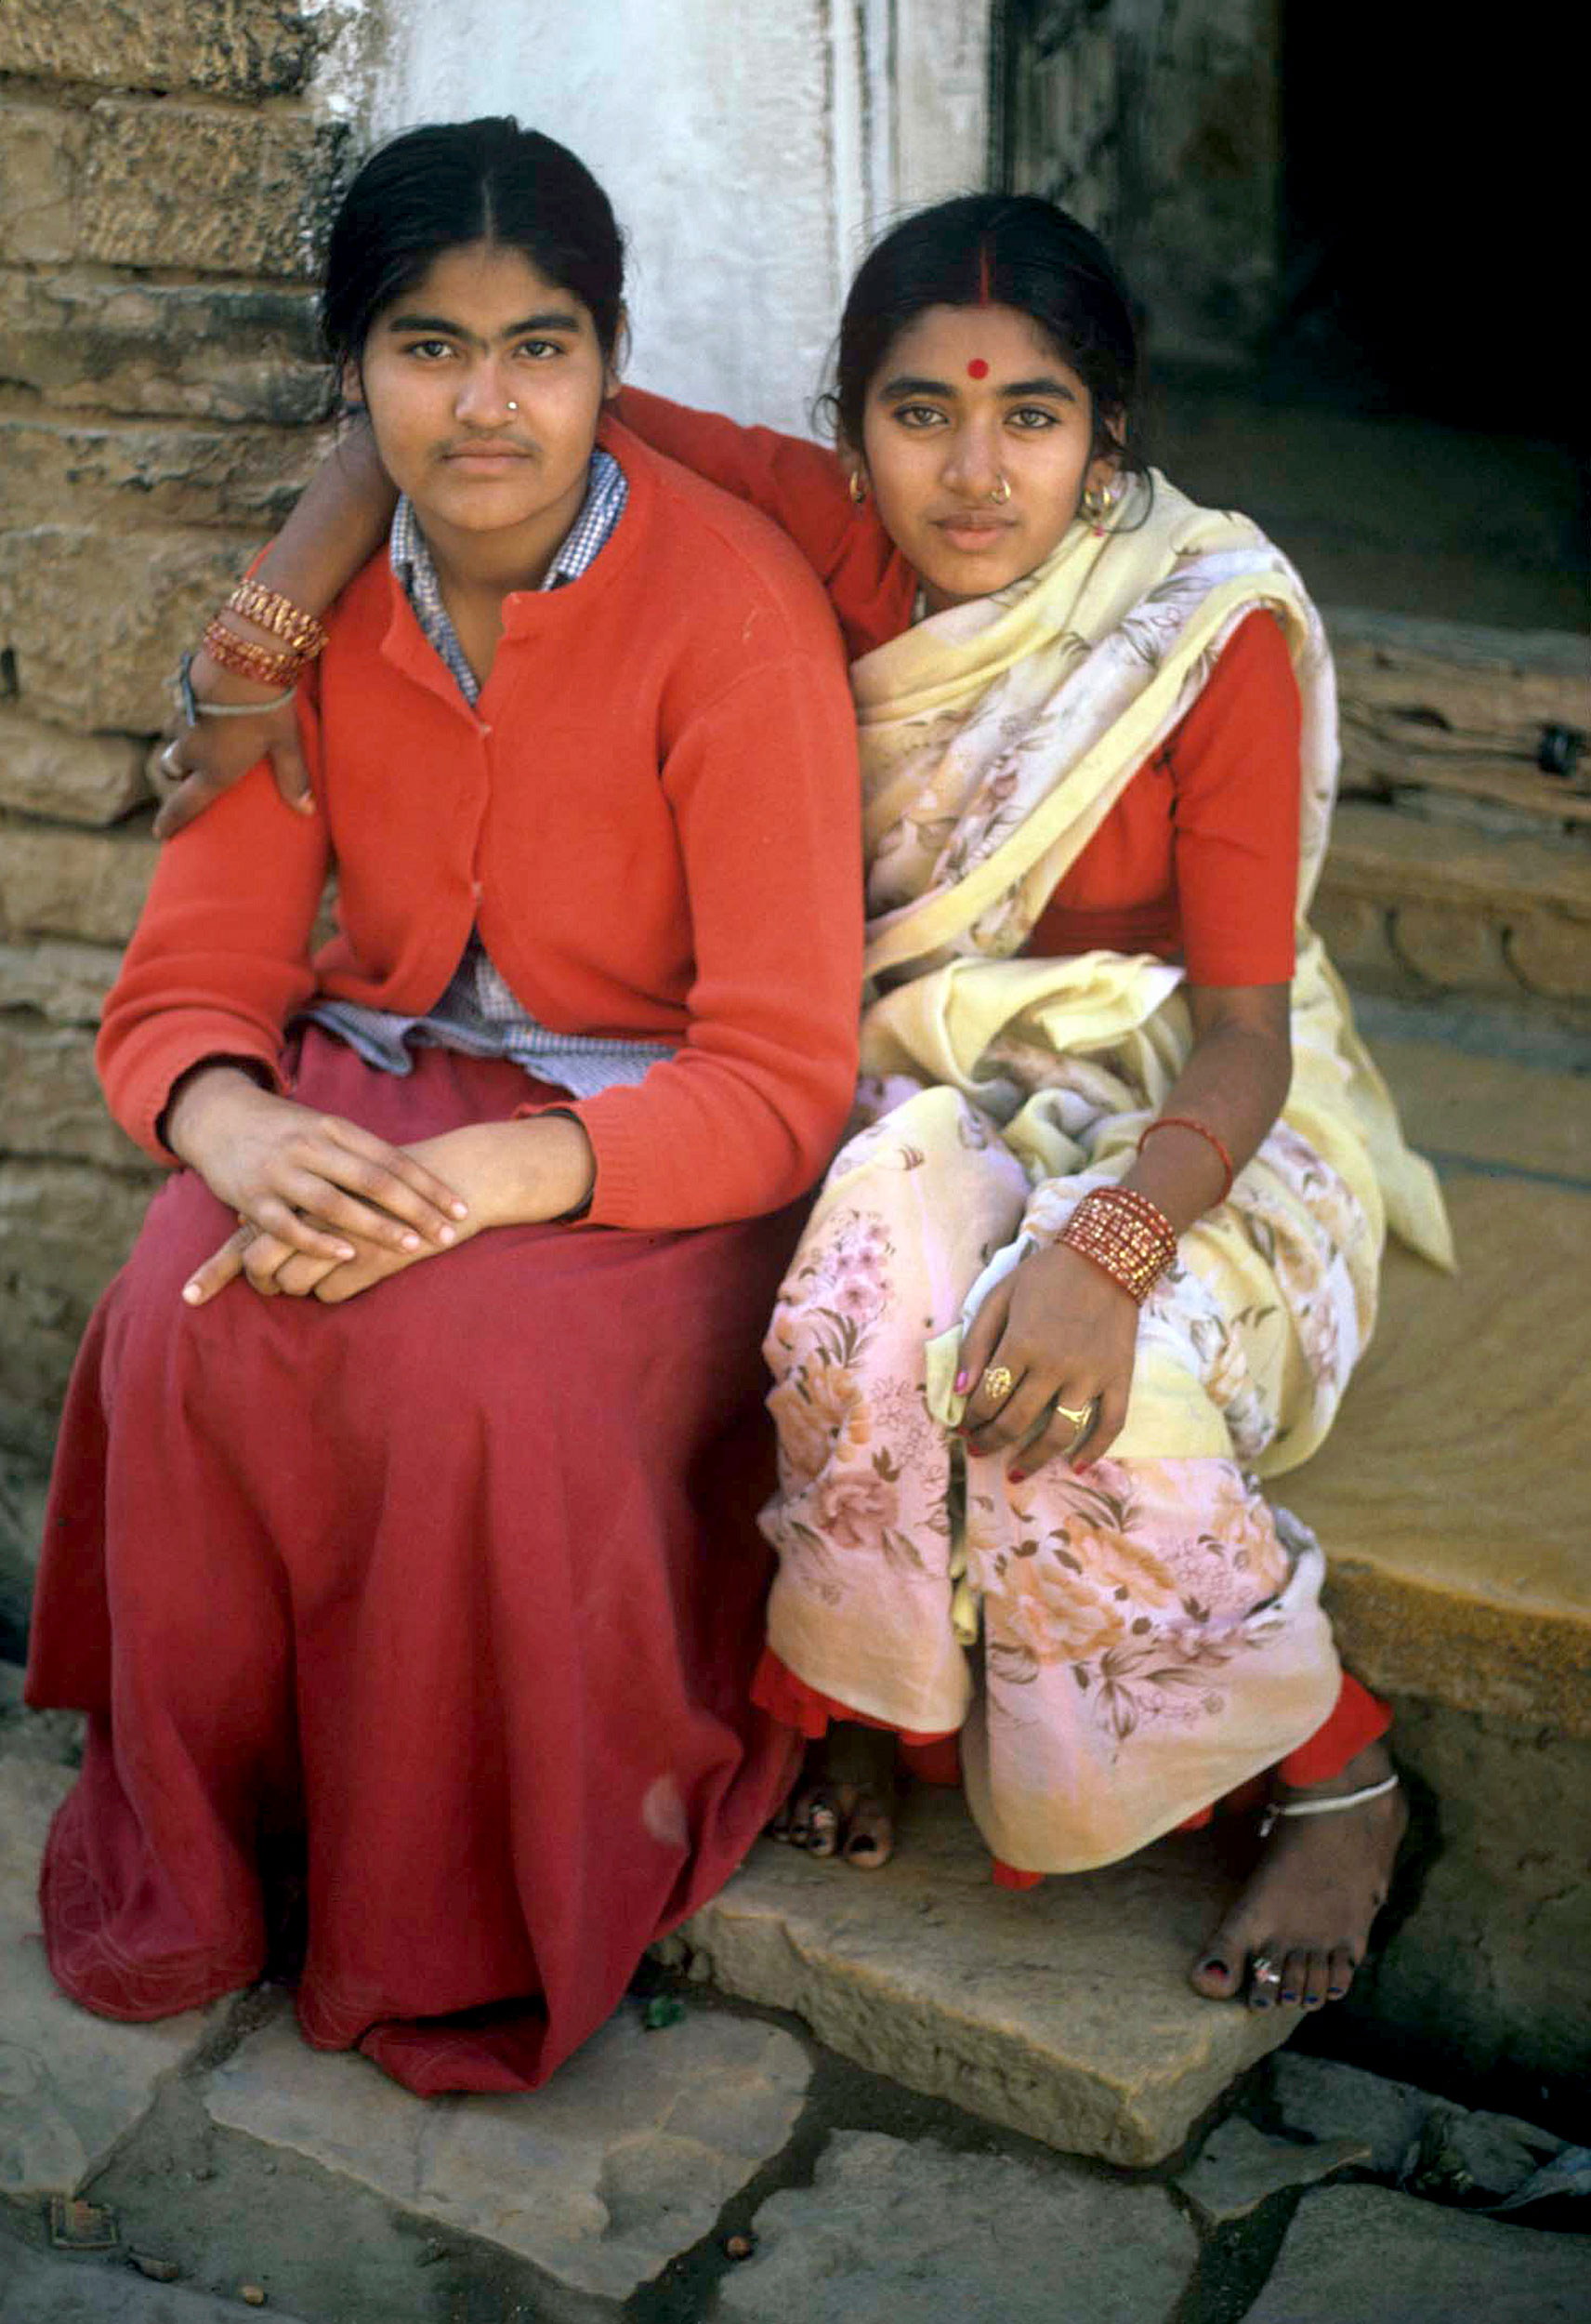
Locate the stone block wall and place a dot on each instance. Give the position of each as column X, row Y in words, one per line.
column 165, row 170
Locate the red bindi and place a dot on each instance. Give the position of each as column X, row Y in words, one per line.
column 978, row 368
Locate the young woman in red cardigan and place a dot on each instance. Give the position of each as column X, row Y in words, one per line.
column 1104, row 1247
column 402, row 1542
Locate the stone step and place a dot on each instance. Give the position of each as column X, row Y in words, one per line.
column 1451, row 1501
column 1063, row 2012
column 1422, row 905
column 1450, row 1497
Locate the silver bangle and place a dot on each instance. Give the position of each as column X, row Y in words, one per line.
column 194, row 709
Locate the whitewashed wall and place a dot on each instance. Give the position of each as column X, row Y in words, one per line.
column 752, row 148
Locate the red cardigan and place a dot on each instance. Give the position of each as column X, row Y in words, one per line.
column 1199, row 857
column 652, row 814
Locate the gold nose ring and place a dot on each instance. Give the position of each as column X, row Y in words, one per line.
column 1002, row 492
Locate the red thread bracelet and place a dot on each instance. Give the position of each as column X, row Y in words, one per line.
column 1186, row 1121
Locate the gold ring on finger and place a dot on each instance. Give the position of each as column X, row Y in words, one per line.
column 1085, row 1413
column 997, row 1382
column 1085, row 1421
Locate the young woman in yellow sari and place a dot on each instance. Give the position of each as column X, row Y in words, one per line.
column 1102, row 1250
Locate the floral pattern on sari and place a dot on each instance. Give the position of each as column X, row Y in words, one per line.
column 1149, row 1634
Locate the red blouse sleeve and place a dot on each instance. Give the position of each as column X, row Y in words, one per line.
column 803, row 488
column 1235, row 840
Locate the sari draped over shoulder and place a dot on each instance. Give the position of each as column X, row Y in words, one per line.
column 1115, row 1649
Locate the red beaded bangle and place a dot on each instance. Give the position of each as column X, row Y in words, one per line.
column 1186, row 1121
column 1124, row 1235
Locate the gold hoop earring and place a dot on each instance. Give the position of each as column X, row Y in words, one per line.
column 857, row 487
column 1099, row 504
column 1001, row 491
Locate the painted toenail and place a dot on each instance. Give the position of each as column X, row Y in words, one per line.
column 1287, row 1995
column 1262, row 2000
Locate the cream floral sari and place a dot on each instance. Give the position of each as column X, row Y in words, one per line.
column 1119, row 1648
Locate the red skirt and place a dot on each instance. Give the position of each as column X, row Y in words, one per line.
column 457, row 1591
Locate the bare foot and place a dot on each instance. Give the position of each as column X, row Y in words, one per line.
column 844, row 1804
column 1298, row 1931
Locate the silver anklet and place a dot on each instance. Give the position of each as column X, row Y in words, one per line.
column 1273, row 1814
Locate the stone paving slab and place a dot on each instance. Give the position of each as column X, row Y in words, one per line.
column 1321, row 2098
column 38, row 2290
column 1429, row 2144
column 1239, row 2168
column 1355, row 2253
column 624, row 2159
column 898, row 2233
column 72, row 2085
column 1064, row 2013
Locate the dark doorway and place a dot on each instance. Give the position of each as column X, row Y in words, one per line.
column 1360, row 260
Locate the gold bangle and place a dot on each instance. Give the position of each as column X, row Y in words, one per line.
column 298, row 631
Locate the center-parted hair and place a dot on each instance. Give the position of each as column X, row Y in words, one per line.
column 993, row 250
column 433, row 190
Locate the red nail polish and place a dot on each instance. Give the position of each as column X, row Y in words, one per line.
column 1018, row 1476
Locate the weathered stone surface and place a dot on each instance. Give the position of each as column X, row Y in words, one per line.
column 1456, row 1579
column 206, row 351
column 891, row 2233
column 99, row 620
column 65, row 1227
column 230, row 47
column 1239, row 2168
column 1356, row 931
column 1452, row 890
column 1473, row 2157
column 204, row 187
column 1494, row 1966
column 1064, row 2013
column 86, row 778
column 1489, row 1110
column 53, row 1107
column 1450, row 951
column 85, row 885
column 67, row 473
column 45, row 2290
column 1322, row 2099
column 53, row 1737
column 1448, row 708
column 21, row 1519
column 40, row 149
column 625, row 2159
column 63, row 981
column 1551, row 957
column 70, row 2084
column 1358, row 2252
